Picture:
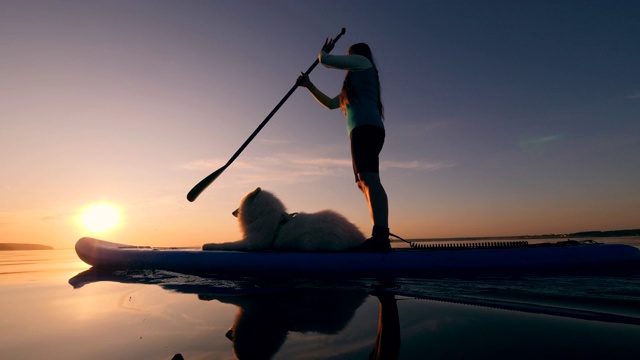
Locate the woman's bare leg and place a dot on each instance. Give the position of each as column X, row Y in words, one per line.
column 370, row 185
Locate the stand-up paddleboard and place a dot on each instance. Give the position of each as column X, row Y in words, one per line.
column 567, row 256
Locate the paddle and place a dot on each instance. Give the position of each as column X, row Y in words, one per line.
column 204, row 183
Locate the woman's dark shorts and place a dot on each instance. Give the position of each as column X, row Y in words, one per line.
column 366, row 144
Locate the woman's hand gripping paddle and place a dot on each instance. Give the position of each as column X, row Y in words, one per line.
column 204, row 183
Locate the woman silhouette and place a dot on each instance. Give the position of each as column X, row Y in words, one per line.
column 360, row 101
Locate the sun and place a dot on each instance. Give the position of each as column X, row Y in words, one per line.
column 100, row 218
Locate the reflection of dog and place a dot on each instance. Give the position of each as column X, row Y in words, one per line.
column 266, row 225
column 263, row 322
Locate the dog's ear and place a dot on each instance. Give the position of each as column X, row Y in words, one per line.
column 255, row 192
column 250, row 196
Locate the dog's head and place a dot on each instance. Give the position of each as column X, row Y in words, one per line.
column 247, row 198
column 259, row 204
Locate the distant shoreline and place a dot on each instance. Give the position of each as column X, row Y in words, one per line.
column 14, row 246
column 589, row 234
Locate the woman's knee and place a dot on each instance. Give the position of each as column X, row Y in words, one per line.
column 368, row 179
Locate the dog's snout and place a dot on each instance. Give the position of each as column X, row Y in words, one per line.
column 235, row 213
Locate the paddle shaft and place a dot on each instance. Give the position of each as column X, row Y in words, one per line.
column 204, row 183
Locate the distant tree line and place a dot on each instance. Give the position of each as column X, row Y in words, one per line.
column 612, row 233
column 12, row 246
column 595, row 234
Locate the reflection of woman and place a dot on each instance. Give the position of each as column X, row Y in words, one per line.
column 387, row 346
column 360, row 101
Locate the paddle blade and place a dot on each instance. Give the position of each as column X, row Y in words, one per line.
column 203, row 184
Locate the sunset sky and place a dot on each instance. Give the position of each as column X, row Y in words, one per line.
column 502, row 117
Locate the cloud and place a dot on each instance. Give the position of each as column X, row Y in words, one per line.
column 538, row 141
column 6, row 219
column 56, row 217
column 292, row 168
column 417, row 165
column 200, row 165
column 635, row 96
column 274, row 141
column 324, row 162
column 284, row 168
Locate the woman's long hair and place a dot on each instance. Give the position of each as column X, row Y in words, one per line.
column 347, row 94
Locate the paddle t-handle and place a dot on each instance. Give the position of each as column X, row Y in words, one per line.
column 204, row 183
column 316, row 62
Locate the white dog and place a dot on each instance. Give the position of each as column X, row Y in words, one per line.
column 266, row 225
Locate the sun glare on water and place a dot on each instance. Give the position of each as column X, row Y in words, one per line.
column 100, row 218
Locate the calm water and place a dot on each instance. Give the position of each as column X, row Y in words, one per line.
column 55, row 307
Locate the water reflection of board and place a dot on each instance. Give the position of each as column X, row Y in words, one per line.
column 554, row 258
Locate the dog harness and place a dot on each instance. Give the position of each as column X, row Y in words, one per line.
column 285, row 218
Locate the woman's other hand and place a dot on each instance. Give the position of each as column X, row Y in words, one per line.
column 304, row 81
